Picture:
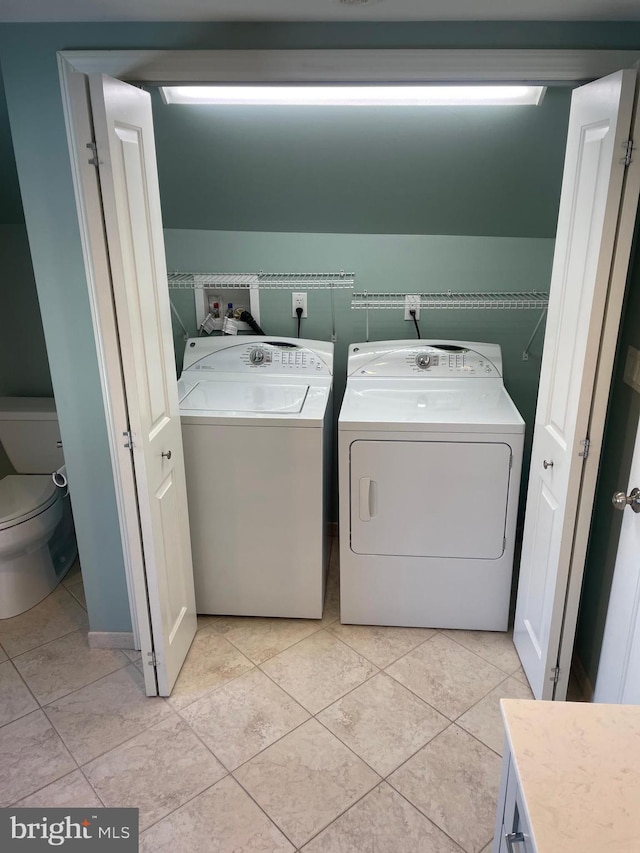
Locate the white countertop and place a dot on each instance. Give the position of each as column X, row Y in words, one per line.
column 578, row 765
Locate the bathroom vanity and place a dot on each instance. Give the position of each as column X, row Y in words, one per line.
column 570, row 778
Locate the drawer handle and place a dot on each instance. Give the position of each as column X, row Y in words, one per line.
column 514, row 838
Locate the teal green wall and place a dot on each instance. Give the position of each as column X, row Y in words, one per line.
column 390, row 262
column 28, row 58
column 491, row 171
column 383, row 262
column 623, row 418
column 10, row 203
column 24, row 369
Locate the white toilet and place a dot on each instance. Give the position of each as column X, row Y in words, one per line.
column 37, row 539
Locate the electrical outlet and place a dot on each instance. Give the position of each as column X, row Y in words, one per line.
column 298, row 300
column 411, row 303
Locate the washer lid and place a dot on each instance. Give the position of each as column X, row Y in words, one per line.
column 245, row 398
column 474, row 405
column 24, row 495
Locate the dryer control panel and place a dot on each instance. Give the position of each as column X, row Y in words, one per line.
column 266, row 357
column 430, row 359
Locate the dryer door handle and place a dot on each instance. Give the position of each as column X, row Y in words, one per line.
column 368, row 498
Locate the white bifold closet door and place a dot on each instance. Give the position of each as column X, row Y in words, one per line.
column 586, row 243
column 125, row 143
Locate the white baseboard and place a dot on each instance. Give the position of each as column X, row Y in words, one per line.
column 111, row 640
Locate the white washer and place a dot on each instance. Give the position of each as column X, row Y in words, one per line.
column 430, row 452
column 256, row 427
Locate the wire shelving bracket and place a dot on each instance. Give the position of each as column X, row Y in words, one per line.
column 450, row 300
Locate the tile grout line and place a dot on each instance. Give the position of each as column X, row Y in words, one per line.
column 324, row 708
column 271, row 657
column 88, row 684
column 29, row 690
column 148, row 728
column 297, row 726
column 90, row 784
column 66, row 633
column 404, row 760
column 64, row 747
column 484, row 695
column 269, row 818
column 343, row 812
column 395, row 660
column 486, row 660
column 419, row 810
column 48, row 642
column 118, row 745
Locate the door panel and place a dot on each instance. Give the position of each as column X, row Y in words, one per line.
column 593, row 180
column 429, row 498
column 619, row 666
column 131, row 203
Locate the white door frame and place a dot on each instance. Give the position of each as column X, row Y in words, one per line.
column 599, row 405
column 203, row 66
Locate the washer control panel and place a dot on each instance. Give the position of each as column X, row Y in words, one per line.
column 265, row 357
column 445, row 360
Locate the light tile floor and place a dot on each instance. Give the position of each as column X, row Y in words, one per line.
column 280, row 735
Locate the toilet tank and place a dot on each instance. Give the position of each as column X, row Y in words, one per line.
column 29, row 434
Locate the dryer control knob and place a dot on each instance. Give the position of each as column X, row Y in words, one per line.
column 423, row 360
column 256, row 356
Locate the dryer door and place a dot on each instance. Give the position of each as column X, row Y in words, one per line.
column 429, row 498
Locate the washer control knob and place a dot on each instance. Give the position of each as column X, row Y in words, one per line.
column 256, row 356
column 423, row 360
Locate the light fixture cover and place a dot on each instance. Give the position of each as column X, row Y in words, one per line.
column 350, row 95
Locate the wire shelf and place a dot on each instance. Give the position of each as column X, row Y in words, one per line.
column 520, row 300
column 261, row 280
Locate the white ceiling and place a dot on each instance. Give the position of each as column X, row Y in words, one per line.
column 319, row 10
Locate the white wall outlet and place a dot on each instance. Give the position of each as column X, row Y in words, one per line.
column 411, row 303
column 298, row 300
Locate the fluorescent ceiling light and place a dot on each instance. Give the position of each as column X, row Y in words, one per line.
column 355, row 96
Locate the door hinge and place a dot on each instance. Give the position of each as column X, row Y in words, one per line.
column 152, row 658
column 586, row 444
column 93, row 161
column 628, row 152
column 555, row 674
column 129, row 439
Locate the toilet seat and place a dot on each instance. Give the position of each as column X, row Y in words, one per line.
column 24, row 496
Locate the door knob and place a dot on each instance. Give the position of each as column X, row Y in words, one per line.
column 546, row 464
column 620, row 500
column 167, row 455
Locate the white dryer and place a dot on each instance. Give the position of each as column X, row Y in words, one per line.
column 256, row 427
column 430, row 453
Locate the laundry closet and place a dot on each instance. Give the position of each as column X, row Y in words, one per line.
column 408, row 199
column 441, row 200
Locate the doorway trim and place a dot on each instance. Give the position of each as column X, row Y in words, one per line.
column 559, row 67
column 363, row 65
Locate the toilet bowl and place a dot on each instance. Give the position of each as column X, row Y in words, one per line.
column 37, row 538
